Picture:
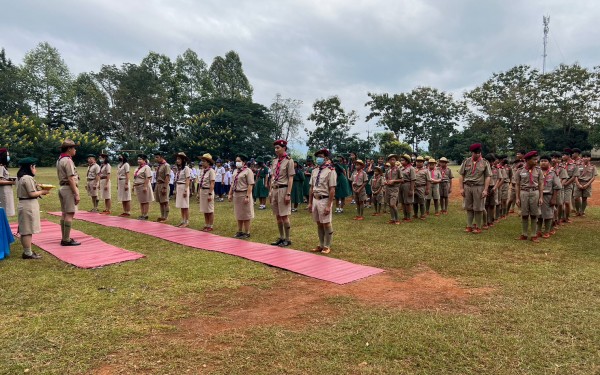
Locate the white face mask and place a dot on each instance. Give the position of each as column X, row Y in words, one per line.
column 7, row 158
column 239, row 164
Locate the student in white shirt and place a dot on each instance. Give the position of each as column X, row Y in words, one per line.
column 220, row 174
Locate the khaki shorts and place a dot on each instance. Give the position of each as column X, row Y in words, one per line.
column 513, row 193
column 67, row 199
column 568, row 193
column 546, row 209
column 378, row 198
column 585, row 193
column 419, row 196
column 318, row 211
column 206, row 207
column 444, row 189
column 92, row 188
column 504, row 192
column 434, row 192
column 492, row 198
column 473, row 200
column 158, row 193
column 391, row 195
column 361, row 196
column 278, row 205
column 529, row 203
column 406, row 196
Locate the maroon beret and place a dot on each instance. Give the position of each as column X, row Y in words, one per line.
column 324, row 151
column 475, row 147
column 3, row 150
column 530, row 154
column 280, row 142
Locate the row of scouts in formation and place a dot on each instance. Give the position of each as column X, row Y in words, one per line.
column 490, row 186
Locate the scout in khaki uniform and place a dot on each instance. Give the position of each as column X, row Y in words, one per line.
column 491, row 200
column 551, row 189
column 407, row 188
column 387, row 167
column 499, row 186
column 105, row 191
column 421, row 188
column 182, row 188
column 123, row 186
column 517, row 164
column 7, row 200
column 562, row 174
column 359, row 183
column 142, row 184
column 393, row 180
column 445, row 185
column 587, row 175
column 505, row 190
column 320, row 200
column 282, row 179
column 68, row 192
column 530, row 194
column 569, row 185
column 206, row 191
column 435, row 179
column 28, row 192
column 161, row 192
column 240, row 194
column 92, row 185
column 377, row 186
column 475, row 175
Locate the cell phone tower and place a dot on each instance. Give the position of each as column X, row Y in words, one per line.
column 546, row 29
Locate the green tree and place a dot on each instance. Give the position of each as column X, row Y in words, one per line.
column 389, row 144
column 13, row 97
column 285, row 113
column 193, row 76
column 228, row 78
column 91, row 108
column 332, row 123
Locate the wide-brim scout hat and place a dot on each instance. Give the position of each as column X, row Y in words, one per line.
column 68, row 143
column 395, row 156
column 475, row 147
column 443, row 159
column 208, row 158
column 182, row 155
column 420, row 158
column 359, row 161
column 530, row 155
column 432, row 161
column 324, row 152
column 27, row 161
column 406, row 157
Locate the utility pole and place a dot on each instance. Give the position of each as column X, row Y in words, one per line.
column 546, row 29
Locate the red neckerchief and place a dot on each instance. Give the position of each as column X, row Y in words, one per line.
column 389, row 172
column 239, row 171
column 376, row 181
column 585, row 169
column 135, row 174
column 204, row 170
column 64, row 156
column 319, row 173
column 279, row 160
column 443, row 171
column 432, row 172
column 89, row 167
column 546, row 174
column 530, row 176
column 475, row 165
column 358, row 174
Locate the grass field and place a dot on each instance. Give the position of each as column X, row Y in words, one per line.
column 449, row 303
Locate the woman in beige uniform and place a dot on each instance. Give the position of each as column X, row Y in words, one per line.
column 142, row 178
column 241, row 195
column 6, row 184
column 123, row 190
column 182, row 190
column 29, row 208
column 105, row 192
column 206, row 189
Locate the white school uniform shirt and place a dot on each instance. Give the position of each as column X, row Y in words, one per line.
column 228, row 177
column 172, row 178
column 153, row 176
column 193, row 173
column 220, row 173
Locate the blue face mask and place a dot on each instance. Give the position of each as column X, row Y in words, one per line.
column 320, row 160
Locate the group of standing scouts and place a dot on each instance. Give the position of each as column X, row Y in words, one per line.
column 544, row 188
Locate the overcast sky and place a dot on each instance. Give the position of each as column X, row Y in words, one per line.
column 311, row 49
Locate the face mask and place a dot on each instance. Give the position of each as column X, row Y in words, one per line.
column 239, row 164
column 101, row 160
column 320, row 160
column 7, row 157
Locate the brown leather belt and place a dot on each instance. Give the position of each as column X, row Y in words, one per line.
column 319, row 197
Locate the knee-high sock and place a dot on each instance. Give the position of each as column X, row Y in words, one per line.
column 328, row 234
column 479, row 218
column 321, row 235
column 533, row 224
column 67, row 231
column 62, row 229
column 484, row 216
column 525, row 225
column 547, row 225
column 583, row 204
column 427, row 205
column 470, row 216
column 166, row 212
column 280, row 227
column 422, row 205
column 436, row 204
column 286, row 230
column 538, row 226
column 577, row 205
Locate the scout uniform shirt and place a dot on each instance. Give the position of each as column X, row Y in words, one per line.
column 420, row 177
column 122, row 171
column 515, row 169
column 105, row 171
column 551, row 181
column 475, row 172
column 281, row 169
column 359, row 178
column 65, row 168
column 586, row 173
column 206, row 176
column 92, row 172
column 530, row 179
column 446, row 174
column 572, row 170
column 376, row 183
column 163, row 173
column 321, row 179
column 393, row 173
column 408, row 174
column 242, row 179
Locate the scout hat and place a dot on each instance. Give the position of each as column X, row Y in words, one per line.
column 443, row 159
column 182, row 155
column 530, row 155
column 406, row 157
column 280, row 142
column 324, row 152
column 359, row 161
column 67, row 143
column 260, row 160
column 27, row 161
column 420, row 158
column 395, row 156
column 103, row 154
column 91, row 156
column 124, row 155
column 432, row 161
column 475, row 147
column 208, row 158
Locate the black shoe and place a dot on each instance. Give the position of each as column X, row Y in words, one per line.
column 238, row 235
column 245, row 236
column 32, row 256
column 70, row 242
column 278, row 242
column 285, row 243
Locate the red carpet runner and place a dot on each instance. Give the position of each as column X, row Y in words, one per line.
column 308, row 264
column 90, row 254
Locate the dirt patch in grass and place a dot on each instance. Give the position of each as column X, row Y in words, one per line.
column 297, row 302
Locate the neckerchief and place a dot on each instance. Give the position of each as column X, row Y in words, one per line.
column 89, row 168
column 135, row 174
column 237, row 175
column 475, row 165
column 279, row 160
column 204, row 170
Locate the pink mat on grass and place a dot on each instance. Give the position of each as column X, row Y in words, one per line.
column 308, row 264
column 90, row 254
